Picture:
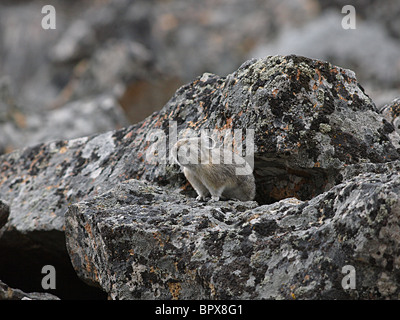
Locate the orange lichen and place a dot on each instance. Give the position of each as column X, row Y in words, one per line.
column 63, row 149
column 157, row 236
column 88, row 229
column 175, row 289
column 298, row 75
column 319, row 76
column 228, row 124
column 128, row 135
column 88, row 264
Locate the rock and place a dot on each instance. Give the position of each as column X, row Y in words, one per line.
column 114, row 64
column 377, row 70
column 30, row 74
column 232, row 28
column 75, row 119
column 11, row 117
column 309, row 119
column 7, row 293
column 305, row 118
column 72, row 120
column 96, row 49
column 86, row 57
column 185, row 39
column 139, row 241
column 76, row 43
column 391, row 112
column 348, row 172
column 165, row 219
column 4, row 213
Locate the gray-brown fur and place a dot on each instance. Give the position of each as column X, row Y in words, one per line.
column 220, row 180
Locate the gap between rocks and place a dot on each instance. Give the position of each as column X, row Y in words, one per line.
column 21, row 266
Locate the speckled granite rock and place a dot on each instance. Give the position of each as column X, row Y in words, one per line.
column 310, row 120
column 138, row 222
column 139, row 241
column 391, row 112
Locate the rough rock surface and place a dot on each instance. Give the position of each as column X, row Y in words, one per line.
column 149, row 222
column 139, row 241
column 310, row 119
column 117, row 46
column 380, row 69
column 7, row 293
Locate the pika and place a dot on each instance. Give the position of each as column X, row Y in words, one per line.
column 209, row 174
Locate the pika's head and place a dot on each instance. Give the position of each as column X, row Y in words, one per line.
column 189, row 152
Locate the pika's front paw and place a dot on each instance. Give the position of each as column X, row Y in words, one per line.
column 214, row 199
column 201, row 198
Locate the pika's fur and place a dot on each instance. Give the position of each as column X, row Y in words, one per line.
column 208, row 176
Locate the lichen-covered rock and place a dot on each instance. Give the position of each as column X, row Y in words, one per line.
column 391, row 113
column 307, row 119
column 377, row 71
column 159, row 221
column 139, row 241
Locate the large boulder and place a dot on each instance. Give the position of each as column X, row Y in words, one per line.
column 305, row 119
column 309, row 119
column 137, row 222
column 139, row 241
column 377, row 70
